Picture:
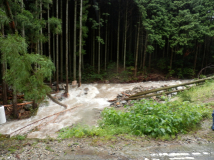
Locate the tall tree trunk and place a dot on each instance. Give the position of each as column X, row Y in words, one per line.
column 106, row 42
column 41, row 45
column 57, row 50
column 150, row 57
column 4, row 68
column 23, row 27
column 137, row 47
column 69, row 50
column 164, row 48
column 196, row 54
column 167, row 48
column 15, row 108
column 118, row 39
column 144, row 55
column 99, row 46
column 93, row 49
column 49, row 39
column 61, row 41
column 37, row 17
column 80, row 44
column 66, row 89
column 171, row 59
column 108, row 45
column 111, row 51
column 75, row 37
column 54, row 54
column 10, row 15
column 202, row 65
column 130, row 39
column 53, row 46
column 125, row 32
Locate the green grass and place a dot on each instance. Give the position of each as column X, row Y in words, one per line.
column 12, row 150
column 49, row 149
column 20, row 137
column 146, row 117
column 198, row 93
column 86, row 131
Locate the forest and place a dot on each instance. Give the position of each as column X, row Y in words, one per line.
column 96, row 40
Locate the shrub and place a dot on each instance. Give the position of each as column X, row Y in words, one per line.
column 156, row 119
column 146, row 117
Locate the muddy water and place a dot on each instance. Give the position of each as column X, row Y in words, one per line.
column 91, row 99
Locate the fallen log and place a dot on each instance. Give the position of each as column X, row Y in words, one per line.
column 169, row 87
column 19, row 104
column 112, row 100
column 17, row 131
column 54, row 100
column 152, row 95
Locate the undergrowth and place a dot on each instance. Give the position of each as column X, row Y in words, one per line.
column 199, row 93
column 146, row 117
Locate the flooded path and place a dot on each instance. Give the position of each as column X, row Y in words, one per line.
column 91, row 99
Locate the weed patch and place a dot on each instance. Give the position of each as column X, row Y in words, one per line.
column 146, row 117
column 156, row 119
column 20, row 137
column 198, row 93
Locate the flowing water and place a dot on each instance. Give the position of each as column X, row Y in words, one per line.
column 91, row 99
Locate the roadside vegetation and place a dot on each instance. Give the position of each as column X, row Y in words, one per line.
column 198, row 94
column 151, row 118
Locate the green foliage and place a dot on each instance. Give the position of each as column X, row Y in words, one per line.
column 130, row 59
column 99, row 39
column 162, row 64
column 3, row 17
column 20, row 137
column 202, row 76
column 89, row 74
column 171, row 71
column 22, row 74
column 155, row 119
column 55, row 25
column 86, row 131
column 144, row 118
column 198, row 93
column 12, row 149
column 185, row 72
column 48, row 148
